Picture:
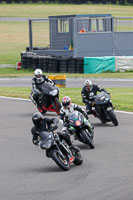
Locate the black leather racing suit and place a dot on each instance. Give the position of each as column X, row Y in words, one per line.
column 88, row 96
column 46, row 126
column 37, row 87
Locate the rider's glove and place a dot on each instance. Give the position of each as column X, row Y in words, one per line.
column 86, row 116
column 53, row 127
column 85, row 101
column 35, row 142
column 92, row 103
column 65, row 124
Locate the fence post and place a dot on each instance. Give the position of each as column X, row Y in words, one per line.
column 30, row 35
column 113, row 37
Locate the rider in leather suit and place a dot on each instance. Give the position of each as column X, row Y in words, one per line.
column 88, row 92
column 46, row 124
column 37, row 82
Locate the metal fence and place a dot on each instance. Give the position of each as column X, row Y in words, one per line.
column 123, row 24
column 95, row 24
column 39, row 35
column 82, row 36
column 51, row 34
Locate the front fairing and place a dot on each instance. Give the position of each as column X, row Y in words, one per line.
column 103, row 104
column 47, row 140
column 50, row 90
column 102, row 98
column 76, row 120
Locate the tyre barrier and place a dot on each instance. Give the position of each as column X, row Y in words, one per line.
column 60, row 80
column 52, row 64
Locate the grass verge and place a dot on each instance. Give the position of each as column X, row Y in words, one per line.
column 12, row 72
column 121, row 97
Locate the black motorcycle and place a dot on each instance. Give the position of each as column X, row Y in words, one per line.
column 103, row 108
column 59, row 150
column 81, row 128
column 49, row 98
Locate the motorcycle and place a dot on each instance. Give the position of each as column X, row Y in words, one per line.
column 59, row 150
column 81, row 128
column 49, row 98
column 103, row 108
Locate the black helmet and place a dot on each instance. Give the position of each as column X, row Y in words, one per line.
column 37, row 119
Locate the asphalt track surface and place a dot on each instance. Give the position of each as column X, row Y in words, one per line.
column 26, row 173
column 70, row 82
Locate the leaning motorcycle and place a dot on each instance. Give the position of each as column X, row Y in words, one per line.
column 59, row 150
column 49, row 99
column 103, row 108
column 81, row 128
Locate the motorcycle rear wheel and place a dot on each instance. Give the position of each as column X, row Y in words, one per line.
column 87, row 139
column 113, row 117
column 62, row 163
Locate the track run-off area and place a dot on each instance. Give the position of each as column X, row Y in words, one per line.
column 26, row 173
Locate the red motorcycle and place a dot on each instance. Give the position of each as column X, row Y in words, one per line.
column 49, row 99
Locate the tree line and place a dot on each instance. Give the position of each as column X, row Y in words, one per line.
column 118, row 2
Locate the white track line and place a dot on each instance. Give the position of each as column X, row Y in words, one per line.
column 20, row 99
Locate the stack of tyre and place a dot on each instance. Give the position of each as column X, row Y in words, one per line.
column 63, row 64
column 52, row 64
column 24, row 60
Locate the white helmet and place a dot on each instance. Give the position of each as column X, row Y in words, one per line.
column 88, row 85
column 38, row 73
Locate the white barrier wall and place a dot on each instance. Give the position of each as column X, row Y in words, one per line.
column 123, row 63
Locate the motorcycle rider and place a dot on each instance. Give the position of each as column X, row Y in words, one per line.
column 37, row 82
column 68, row 107
column 88, row 91
column 47, row 124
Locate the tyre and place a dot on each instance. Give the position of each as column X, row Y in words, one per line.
column 60, row 161
column 71, row 69
column 87, row 139
column 63, row 68
column 53, row 68
column 113, row 117
column 35, row 62
column 58, row 106
column 78, row 159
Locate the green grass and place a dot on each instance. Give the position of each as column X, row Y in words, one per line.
column 45, row 10
column 13, row 40
column 122, row 98
column 14, row 36
column 12, row 72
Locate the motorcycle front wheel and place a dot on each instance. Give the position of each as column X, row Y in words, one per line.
column 87, row 138
column 60, row 161
column 113, row 117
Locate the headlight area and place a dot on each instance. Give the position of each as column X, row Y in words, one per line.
column 54, row 92
column 46, row 145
